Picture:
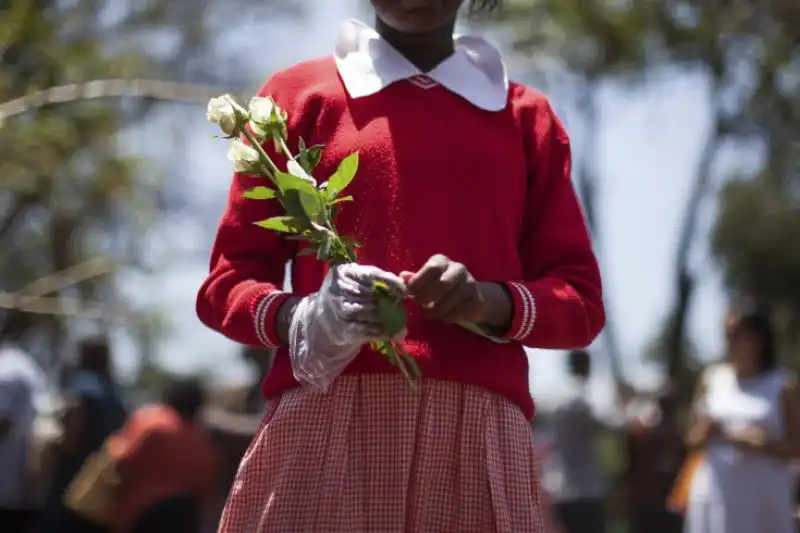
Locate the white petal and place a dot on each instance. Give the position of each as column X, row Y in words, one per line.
column 243, row 157
column 294, row 168
column 261, row 108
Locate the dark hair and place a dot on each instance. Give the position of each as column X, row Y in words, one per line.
column 484, row 6
column 186, row 396
column 94, row 354
column 757, row 319
column 579, row 363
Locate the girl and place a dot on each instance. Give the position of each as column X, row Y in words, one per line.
column 463, row 203
column 747, row 421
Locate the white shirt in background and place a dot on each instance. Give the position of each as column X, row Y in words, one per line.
column 572, row 470
column 16, row 405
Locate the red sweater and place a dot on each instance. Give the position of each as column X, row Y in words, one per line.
column 491, row 190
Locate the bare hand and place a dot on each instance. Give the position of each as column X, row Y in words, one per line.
column 751, row 439
column 447, row 291
column 702, row 430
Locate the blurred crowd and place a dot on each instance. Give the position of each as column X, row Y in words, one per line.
column 721, row 460
column 164, row 465
column 660, row 463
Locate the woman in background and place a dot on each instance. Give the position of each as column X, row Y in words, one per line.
column 94, row 411
column 747, row 419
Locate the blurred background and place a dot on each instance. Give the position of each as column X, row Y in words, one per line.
column 685, row 120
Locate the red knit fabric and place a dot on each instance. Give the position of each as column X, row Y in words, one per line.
column 437, row 175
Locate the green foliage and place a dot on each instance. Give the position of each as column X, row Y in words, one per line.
column 63, row 186
column 310, row 207
column 343, row 176
column 393, row 316
column 66, row 191
column 309, row 156
column 260, row 193
column 756, row 222
column 750, row 53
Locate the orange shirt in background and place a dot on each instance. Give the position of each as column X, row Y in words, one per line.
column 160, row 455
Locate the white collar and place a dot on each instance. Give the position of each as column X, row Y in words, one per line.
column 368, row 64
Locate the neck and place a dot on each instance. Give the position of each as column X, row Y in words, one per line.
column 424, row 50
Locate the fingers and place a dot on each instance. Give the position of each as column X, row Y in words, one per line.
column 435, row 280
column 357, row 280
column 444, row 288
column 354, row 311
column 427, row 277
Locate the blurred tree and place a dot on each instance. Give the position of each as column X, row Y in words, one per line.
column 750, row 54
column 66, row 192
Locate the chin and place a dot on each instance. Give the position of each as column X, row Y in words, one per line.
column 416, row 25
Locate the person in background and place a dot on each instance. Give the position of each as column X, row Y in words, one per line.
column 577, row 486
column 94, row 410
column 233, row 427
column 17, row 414
column 747, row 420
column 167, row 464
column 261, row 359
column 655, row 449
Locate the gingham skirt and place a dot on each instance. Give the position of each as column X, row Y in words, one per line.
column 371, row 456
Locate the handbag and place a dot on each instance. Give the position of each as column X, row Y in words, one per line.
column 92, row 494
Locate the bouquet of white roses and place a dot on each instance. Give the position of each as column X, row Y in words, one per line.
column 309, row 206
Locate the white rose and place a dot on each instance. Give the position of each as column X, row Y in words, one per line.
column 267, row 119
column 227, row 114
column 294, row 168
column 244, row 158
column 261, row 109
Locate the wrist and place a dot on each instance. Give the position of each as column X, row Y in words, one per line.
column 283, row 318
column 497, row 307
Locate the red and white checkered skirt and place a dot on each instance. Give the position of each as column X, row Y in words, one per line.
column 371, row 456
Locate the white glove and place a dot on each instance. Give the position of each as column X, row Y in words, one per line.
column 329, row 327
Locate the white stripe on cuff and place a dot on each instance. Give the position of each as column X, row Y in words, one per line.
column 260, row 316
column 528, row 312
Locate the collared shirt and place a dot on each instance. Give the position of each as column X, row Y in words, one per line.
column 367, row 64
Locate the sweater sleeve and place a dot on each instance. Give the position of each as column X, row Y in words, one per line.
column 558, row 304
column 243, row 291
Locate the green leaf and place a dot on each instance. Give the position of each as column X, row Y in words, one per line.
column 309, row 158
column 292, row 205
column 380, row 289
column 306, row 251
column 415, row 371
column 343, row 175
column 392, row 314
column 283, row 224
column 286, row 182
column 313, row 205
column 314, row 155
column 342, row 199
column 298, row 193
column 259, row 193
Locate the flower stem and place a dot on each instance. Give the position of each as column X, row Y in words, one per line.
column 271, row 167
column 284, row 148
